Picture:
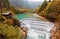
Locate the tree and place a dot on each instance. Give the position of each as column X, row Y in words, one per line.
column 42, row 7
column 4, row 5
column 49, row 0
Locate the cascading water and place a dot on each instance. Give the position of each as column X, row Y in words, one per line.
column 37, row 29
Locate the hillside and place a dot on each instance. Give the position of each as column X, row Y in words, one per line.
column 9, row 25
column 52, row 13
column 52, row 10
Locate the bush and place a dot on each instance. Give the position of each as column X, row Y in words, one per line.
column 9, row 32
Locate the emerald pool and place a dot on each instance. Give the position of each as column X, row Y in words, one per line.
column 22, row 16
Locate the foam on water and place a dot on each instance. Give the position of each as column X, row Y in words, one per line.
column 37, row 29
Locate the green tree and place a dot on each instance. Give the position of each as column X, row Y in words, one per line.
column 5, row 4
column 42, row 7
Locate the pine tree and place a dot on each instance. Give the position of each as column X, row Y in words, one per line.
column 42, row 7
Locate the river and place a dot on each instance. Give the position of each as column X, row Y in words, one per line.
column 37, row 29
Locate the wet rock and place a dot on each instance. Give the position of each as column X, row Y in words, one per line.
column 55, row 32
column 16, row 22
column 24, row 32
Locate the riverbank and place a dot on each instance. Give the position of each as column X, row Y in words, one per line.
column 9, row 23
column 23, row 10
column 55, row 30
column 39, row 17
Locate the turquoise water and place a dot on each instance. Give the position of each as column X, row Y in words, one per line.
column 39, row 37
column 21, row 16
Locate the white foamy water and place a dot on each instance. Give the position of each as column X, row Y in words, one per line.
column 37, row 29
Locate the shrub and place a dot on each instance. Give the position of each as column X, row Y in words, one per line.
column 9, row 32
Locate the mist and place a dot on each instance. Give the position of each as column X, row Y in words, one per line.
column 25, row 3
